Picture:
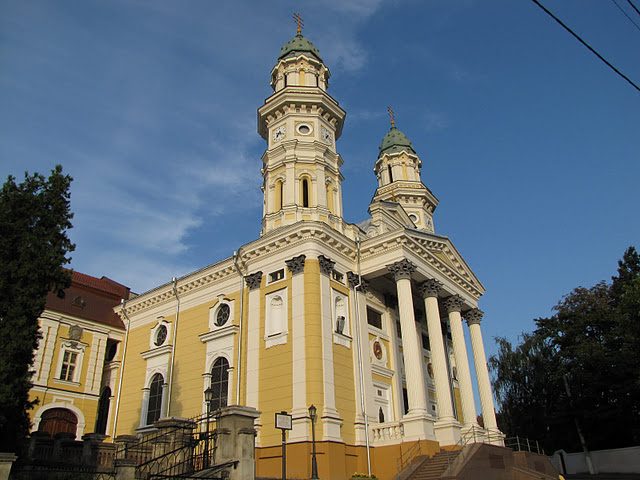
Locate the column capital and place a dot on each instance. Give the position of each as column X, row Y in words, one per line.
column 454, row 303
column 326, row 264
column 402, row 269
column 473, row 316
column 296, row 264
column 430, row 288
column 253, row 280
column 354, row 279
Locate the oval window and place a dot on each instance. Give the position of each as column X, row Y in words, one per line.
column 304, row 129
column 223, row 315
column 161, row 335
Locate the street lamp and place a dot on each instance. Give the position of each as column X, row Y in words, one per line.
column 208, row 398
column 314, row 462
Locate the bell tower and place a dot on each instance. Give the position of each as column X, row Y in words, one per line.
column 301, row 123
column 398, row 170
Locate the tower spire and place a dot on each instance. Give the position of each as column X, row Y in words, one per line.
column 392, row 117
column 298, row 19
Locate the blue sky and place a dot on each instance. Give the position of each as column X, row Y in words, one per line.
column 530, row 143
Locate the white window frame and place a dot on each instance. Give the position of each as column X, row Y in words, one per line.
column 213, row 313
column 272, row 335
column 71, row 347
column 154, row 330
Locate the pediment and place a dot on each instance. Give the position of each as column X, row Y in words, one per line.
column 386, row 217
column 444, row 253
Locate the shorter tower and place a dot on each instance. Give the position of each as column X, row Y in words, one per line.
column 398, row 171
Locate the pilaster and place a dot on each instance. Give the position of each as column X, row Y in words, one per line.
column 253, row 282
column 329, row 417
column 299, row 367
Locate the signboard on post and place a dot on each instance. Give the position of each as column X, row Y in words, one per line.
column 284, row 423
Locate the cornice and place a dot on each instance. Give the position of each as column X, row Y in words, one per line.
column 423, row 248
column 312, row 100
column 289, row 236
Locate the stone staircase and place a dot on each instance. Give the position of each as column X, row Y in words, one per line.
column 433, row 467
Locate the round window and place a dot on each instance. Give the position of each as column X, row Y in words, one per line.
column 161, row 335
column 223, row 315
column 304, row 129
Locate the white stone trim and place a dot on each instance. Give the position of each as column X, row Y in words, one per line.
column 61, row 402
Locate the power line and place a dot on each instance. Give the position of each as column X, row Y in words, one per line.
column 625, row 14
column 586, row 45
column 633, row 6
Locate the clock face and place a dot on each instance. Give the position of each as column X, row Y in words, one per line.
column 326, row 135
column 279, row 133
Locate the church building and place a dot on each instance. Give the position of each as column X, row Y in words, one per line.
column 362, row 321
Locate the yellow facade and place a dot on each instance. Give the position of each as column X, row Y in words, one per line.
column 316, row 311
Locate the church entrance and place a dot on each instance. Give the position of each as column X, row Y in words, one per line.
column 58, row 420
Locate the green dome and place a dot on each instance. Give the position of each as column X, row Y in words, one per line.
column 297, row 45
column 395, row 141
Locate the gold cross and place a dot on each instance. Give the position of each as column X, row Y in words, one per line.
column 392, row 118
column 298, row 20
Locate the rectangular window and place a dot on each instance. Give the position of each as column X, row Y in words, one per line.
column 68, row 369
column 337, row 276
column 275, row 276
column 374, row 318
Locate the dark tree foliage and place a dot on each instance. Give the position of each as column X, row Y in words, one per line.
column 591, row 343
column 34, row 219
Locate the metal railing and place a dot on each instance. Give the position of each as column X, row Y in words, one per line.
column 520, row 444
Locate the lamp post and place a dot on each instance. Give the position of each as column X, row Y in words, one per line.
column 208, row 398
column 314, row 462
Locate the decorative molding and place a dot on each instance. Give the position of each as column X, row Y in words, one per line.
column 382, row 371
column 219, row 333
column 473, row 316
column 75, row 332
column 296, row 264
column 454, row 303
column 430, row 288
column 253, row 281
column 156, row 352
column 402, row 269
column 326, row 264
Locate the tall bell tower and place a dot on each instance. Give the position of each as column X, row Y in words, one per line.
column 301, row 123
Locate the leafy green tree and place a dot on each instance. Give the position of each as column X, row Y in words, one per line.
column 34, row 219
column 591, row 343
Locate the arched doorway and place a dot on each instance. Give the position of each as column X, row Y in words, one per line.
column 56, row 420
column 103, row 411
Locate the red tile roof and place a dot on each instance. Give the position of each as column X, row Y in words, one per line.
column 91, row 298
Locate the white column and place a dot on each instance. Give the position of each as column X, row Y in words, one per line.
column 473, row 318
column 361, row 357
column 299, row 409
column 416, row 423
column 447, row 428
column 163, row 404
column 145, row 407
column 253, row 281
column 330, row 418
column 453, row 305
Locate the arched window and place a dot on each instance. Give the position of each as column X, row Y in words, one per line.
column 219, row 383
column 103, row 410
column 341, row 316
column 155, row 399
column 390, row 173
column 56, row 420
column 305, row 192
column 276, row 316
column 279, row 190
column 380, row 415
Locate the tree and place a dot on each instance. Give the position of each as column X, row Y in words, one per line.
column 34, row 219
column 591, row 343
